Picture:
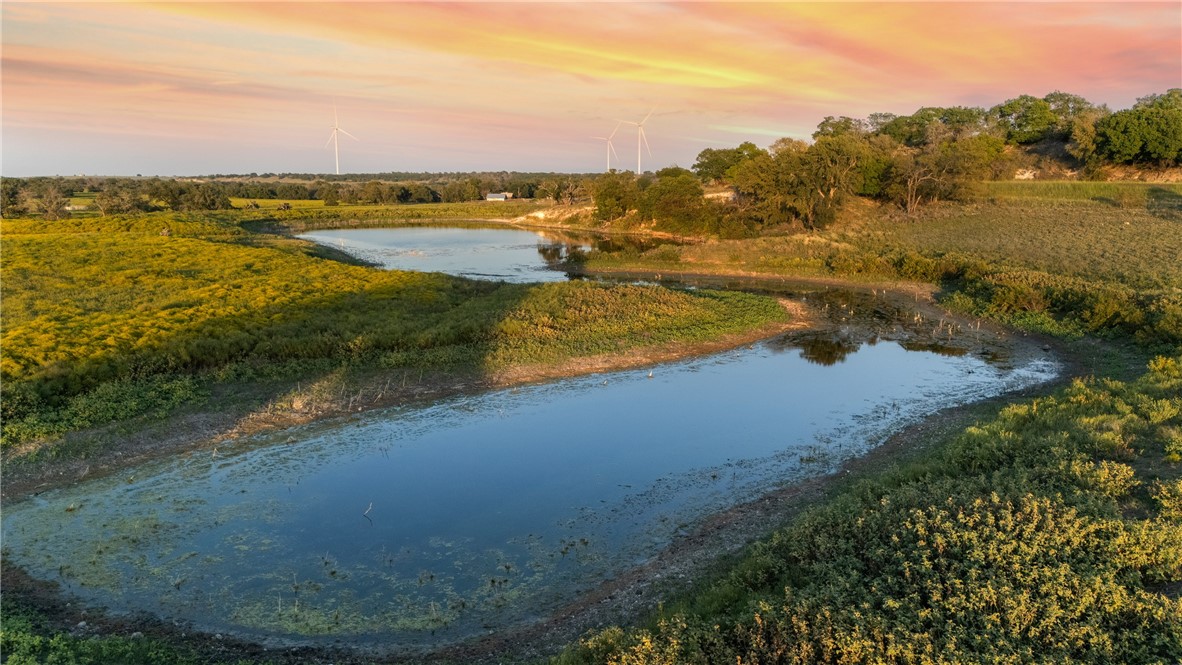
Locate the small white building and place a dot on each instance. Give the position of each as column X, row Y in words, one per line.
column 498, row 196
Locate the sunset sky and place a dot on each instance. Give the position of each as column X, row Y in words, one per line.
column 202, row 88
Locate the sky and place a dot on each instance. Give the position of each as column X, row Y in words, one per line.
column 200, row 88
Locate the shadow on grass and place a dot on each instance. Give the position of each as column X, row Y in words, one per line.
column 1164, row 203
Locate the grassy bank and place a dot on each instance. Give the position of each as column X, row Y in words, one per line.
column 110, row 320
column 1064, row 268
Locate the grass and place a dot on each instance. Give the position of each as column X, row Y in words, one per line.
column 111, row 320
column 1120, row 194
column 1067, row 269
column 315, row 217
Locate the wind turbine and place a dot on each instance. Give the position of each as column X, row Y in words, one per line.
column 640, row 138
column 336, row 129
column 611, row 150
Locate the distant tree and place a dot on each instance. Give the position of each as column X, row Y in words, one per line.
column 118, row 200
column 1150, row 133
column 1067, row 108
column 841, row 126
column 329, row 192
column 1025, row 119
column 615, row 193
column 876, row 121
column 1081, row 135
column 11, row 204
column 676, row 198
column 53, row 205
column 169, row 192
column 205, row 196
column 713, row 163
column 912, row 130
column 1170, row 99
column 827, row 172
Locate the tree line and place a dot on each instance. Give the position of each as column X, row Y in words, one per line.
column 51, row 197
column 934, row 154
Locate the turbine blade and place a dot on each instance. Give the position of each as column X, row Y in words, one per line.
column 348, row 134
column 331, row 136
column 609, row 144
column 645, row 139
column 613, row 134
column 650, row 114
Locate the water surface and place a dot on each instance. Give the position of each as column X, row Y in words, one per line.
column 422, row 525
column 504, row 254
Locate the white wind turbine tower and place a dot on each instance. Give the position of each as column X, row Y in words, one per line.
column 333, row 139
column 640, row 138
column 611, row 150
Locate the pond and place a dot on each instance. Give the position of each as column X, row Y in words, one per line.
column 439, row 522
column 499, row 253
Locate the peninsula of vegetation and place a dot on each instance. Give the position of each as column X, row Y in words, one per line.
column 1040, row 528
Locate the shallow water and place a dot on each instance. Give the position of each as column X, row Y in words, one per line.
column 505, row 254
column 436, row 523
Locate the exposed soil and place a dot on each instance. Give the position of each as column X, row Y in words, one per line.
column 623, row 600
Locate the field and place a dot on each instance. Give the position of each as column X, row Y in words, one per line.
column 1048, row 531
column 107, row 320
column 1065, row 267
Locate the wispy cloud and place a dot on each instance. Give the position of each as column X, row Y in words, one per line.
column 515, row 85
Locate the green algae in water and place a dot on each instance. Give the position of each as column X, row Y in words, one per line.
column 419, row 526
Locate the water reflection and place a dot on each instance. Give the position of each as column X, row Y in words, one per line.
column 478, row 252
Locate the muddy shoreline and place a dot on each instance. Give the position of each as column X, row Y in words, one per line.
column 628, row 597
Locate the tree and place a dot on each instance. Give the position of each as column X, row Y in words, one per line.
column 205, row 196
column 118, row 199
column 10, row 198
column 1025, row 119
column 1150, row 133
column 828, row 171
column 1081, row 135
column 713, row 163
column 1067, row 108
column 615, row 193
column 676, row 198
column 330, row 193
column 841, row 126
column 1170, row 99
column 52, row 205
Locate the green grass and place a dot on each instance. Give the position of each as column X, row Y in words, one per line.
column 345, row 216
column 111, row 320
column 1045, row 534
column 1134, row 247
column 273, row 204
column 1065, row 269
column 1122, row 194
column 26, row 638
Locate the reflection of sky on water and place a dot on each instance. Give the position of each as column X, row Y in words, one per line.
column 482, row 510
column 510, row 255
